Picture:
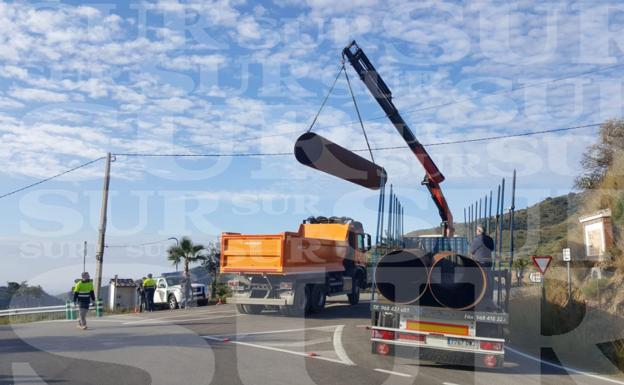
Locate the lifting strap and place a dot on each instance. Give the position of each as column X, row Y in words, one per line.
column 342, row 68
column 359, row 116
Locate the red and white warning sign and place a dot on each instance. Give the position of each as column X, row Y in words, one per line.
column 542, row 262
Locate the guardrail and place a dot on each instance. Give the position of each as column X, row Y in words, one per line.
column 33, row 310
column 68, row 308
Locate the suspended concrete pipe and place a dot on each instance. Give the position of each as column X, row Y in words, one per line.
column 401, row 275
column 314, row 151
column 456, row 282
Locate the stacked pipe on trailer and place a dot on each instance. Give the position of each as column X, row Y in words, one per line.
column 446, row 279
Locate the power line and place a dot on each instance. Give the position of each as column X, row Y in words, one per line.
column 252, row 154
column 216, row 155
column 483, row 139
column 52, row 177
column 138, row 244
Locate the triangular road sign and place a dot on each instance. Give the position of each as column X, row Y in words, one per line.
column 542, row 262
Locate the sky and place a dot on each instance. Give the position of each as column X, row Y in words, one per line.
column 222, row 77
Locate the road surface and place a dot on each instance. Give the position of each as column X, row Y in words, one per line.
column 216, row 345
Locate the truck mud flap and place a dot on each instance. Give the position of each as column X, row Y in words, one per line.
column 258, row 301
column 446, row 357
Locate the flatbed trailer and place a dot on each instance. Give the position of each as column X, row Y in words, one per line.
column 471, row 338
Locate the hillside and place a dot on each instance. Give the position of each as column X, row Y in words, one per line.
column 544, row 228
column 19, row 295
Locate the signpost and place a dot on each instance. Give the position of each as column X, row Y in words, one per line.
column 566, row 258
column 542, row 263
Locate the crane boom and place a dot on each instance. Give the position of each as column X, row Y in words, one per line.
column 375, row 84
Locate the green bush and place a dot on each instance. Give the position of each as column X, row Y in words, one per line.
column 223, row 290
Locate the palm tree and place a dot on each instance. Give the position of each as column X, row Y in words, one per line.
column 186, row 252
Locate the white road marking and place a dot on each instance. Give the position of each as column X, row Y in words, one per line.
column 301, row 354
column 164, row 321
column 339, row 349
column 24, row 374
column 298, row 343
column 177, row 316
column 449, row 383
column 393, row 373
column 272, row 331
column 606, row 379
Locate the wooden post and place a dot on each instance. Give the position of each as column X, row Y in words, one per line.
column 99, row 254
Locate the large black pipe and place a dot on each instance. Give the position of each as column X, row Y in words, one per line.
column 457, row 282
column 322, row 154
column 401, row 275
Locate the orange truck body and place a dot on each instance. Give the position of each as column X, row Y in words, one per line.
column 318, row 247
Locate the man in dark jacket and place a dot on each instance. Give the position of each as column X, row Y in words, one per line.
column 482, row 247
column 141, row 294
column 481, row 250
column 83, row 296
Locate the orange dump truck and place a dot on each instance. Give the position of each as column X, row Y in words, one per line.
column 295, row 272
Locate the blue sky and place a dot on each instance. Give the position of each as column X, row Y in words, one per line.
column 78, row 80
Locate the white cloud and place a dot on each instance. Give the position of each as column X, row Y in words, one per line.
column 9, row 104
column 10, row 71
column 38, row 95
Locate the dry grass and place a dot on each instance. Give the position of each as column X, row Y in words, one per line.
column 573, row 329
column 8, row 320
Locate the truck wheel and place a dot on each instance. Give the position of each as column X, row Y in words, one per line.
column 354, row 297
column 240, row 309
column 317, row 299
column 253, row 309
column 300, row 302
column 173, row 303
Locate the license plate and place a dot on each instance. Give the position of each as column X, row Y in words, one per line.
column 461, row 343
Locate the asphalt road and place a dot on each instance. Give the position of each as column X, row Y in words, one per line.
column 216, row 345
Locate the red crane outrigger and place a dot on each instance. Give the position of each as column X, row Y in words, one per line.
column 365, row 69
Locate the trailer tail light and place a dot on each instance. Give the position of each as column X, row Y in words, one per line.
column 490, row 360
column 412, row 337
column 383, row 349
column 383, row 334
column 489, row 345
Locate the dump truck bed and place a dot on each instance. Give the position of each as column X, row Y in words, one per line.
column 314, row 248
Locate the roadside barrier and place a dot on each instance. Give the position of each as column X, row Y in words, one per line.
column 99, row 310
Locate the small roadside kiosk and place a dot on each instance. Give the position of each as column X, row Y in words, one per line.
column 122, row 294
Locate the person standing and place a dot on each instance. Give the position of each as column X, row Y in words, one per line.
column 149, row 287
column 83, row 296
column 141, row 294
column 481, row 250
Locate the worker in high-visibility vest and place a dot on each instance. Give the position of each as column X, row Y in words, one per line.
column 149, row 285
column 83, row 296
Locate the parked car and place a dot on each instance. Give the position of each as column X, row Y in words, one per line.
column 169, row 292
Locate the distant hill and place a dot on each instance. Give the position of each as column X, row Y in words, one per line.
column 20, row 295
column 543, row 229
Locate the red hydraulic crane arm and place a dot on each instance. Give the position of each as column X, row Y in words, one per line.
column 375, row 84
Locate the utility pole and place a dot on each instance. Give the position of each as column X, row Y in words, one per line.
column 99, row 253
column 84, row 258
